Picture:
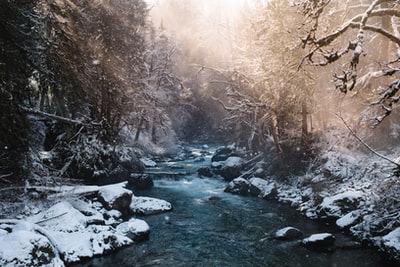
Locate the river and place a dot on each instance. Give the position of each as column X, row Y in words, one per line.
column 208, row 227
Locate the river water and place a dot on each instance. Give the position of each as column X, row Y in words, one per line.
column 208, row 227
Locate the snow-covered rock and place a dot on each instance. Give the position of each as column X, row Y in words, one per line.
column 73, row 236
column 27, row 248
column 348, row 220
column 148, row 205
column 76, row 229
column 391, row 243
column 319, row 241
column 148, row 162
column 288, row 233
column 262, row 188
column 61, row 234
column 238, row 186
column 115, row 196
column 135, row 229
column 231, row 168
column 338, row 205
column 223, row 153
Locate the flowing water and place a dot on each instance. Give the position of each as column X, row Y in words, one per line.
column 208, row 227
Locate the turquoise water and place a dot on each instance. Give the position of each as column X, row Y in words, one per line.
column 208, row 227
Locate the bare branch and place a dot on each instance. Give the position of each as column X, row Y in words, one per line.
column 366, row 145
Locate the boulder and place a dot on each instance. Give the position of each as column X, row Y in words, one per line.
column 349, row 219
column 262, row 188
column 141, row 181
column 391, row 244
column 223, row 153
column 238, row 186
column 148, row 162
column 288, row 233
column 115, row 197
column 71, row 232
column 205, row 171
column 319, row 241
column 336, row 206
column 231, row 168
column 27, row 248
column 149, row 206
column 135, row 229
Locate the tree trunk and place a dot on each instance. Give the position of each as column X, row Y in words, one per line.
column 304, row 125
column 139, row 129
column 153, row 130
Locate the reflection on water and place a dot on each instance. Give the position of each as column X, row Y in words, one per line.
column 208, row 227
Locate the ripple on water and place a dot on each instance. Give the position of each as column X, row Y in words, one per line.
column 208, row 227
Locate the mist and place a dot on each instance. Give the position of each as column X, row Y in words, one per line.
column 205, row 29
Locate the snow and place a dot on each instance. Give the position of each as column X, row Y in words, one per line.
column 332, row 204
column 392, row 240
column 317, row 237
column 73, row 237
column 148, row 162
column 133, row 226
column 74, row 229
column 233, row 162
column 266, row 188
column 282, row 232
column 19, row 248
column 111, row 192
column 288, row 233
column 348, row 219
column 148, row 205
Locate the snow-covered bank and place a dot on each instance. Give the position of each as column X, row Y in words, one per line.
column 348, row 189
column 87, row 222
column 351, row 191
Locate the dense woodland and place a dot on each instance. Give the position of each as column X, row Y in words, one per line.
column 87, row 87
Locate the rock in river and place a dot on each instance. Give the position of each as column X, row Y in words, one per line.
column 148, row 205
column 319, row 241
column 135, row 229
column 141, row 181
column 231, row 168
column 115, row 197
column 288, row 233
column 238, row 186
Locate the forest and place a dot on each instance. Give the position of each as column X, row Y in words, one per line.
column 88, row 89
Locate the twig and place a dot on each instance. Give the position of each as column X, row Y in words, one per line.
column 366, row 145
column 48, row 219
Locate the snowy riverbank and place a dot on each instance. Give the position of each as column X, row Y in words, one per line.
column 347, row 189
column 85, row 221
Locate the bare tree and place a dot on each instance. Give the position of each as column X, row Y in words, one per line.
column 361, row 38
